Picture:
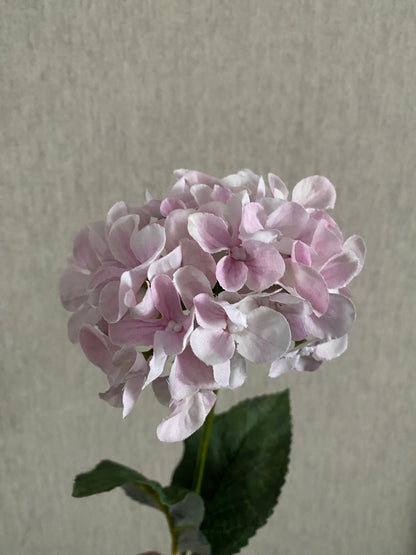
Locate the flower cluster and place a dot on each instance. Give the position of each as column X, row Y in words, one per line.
column 181, row 293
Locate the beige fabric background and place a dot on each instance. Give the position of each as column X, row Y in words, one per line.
column 103, row 99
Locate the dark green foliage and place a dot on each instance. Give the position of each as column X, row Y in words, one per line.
column 246, row 464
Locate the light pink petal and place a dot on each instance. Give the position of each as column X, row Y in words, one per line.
column 356, row 244
column 295, row 311
column 231, row 373
column 83, row 252
column 105, row 274
column 307, row 364
column 283, row 365
column 212, row 347
column 113, row 396
column 233, row 213
column 317, row 217
column 193, row 255
column 180, row 172
column 264, row 263
column 261, row 188
column 73, row 288
column 169, row 204
column 194, row 177
column 332, row 349
column 176, row 227
column 180, row 189
column 296, row 324
column 262, row 235
column 189, row 282
column 130, row 283
column 84, row 315
column 151, row 209
column 301, row 253
column 166, row 265
column 186, row 417
column 160, row 388
column 166, row 298
column 277, row 187
column 134, row 332
column 315, row 192
column 94, row 298
column 188, row 326
column 234, row 314
column 221, row 194
column 172, row 341
column 108, row 303
column 222, row 372
column 202, row 194
column 325, row 243
column 148, row 243
column 290, row 218
column 308, row 284
column 231, row 274
column 189, row 374
column 209, row 231
column 209, row 313
column 251, row 218
column 288, row 299
column 238, row 371
column 266, row 337
column 244, row 179
column 131, row 392
column 118, row 210
column 97, row 347
column 98, row 240
column 345, row 291
column 337, row 320
column 119, row 239
column 340, row 269
column 128, row 360
column 144, row 309
column 158, row 360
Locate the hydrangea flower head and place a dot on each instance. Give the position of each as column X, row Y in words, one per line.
column 181, row 293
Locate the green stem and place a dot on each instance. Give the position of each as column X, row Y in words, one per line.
column 202, row 451
column 165, row 511
column 202, row 455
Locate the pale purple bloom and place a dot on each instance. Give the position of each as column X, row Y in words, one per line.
column 253, row 263
column 309, row 356
column 186, row 416
column 226, row 335
column 126, row 369
column 183, row 293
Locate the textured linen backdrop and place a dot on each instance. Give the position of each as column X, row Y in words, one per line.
column 101, row 100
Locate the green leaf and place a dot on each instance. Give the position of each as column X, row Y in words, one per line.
column 184, row 510
column 187, row 516
column 247, row 460
column 108, row 475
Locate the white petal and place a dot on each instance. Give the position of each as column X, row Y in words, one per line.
column 332, row 349
column 266, row 337
column 186, row 417
column 148, row 243
column 283, row 365
column 84, row 315
column 131, row 392
column 166, row 265
column 212, row 346
column 238, row 371
column 278, row 188
column 337, row 320
column 190, row 281
column 315, row 191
